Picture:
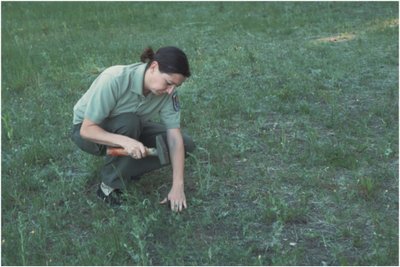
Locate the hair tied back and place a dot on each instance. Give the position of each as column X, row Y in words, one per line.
column 147, row 55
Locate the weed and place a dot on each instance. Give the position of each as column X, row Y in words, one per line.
column 7, row 127
column 202, row 170
column 21, row 231
column 367, row 186
column 277, row 209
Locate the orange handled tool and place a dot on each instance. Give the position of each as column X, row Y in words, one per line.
column 119, row 151
column 161, row 151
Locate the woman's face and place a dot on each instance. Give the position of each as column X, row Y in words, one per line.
column 161, row 83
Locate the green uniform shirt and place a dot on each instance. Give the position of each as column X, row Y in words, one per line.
column 119, row 89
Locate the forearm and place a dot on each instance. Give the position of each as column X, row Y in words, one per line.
column 94, row 133
column 177, row 155
column 176, row 196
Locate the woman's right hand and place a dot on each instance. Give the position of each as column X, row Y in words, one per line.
column 134, row 148
column 94, row 133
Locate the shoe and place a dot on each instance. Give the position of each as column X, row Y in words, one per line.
column 113, row 199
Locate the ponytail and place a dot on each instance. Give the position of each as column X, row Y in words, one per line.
column 147, row 55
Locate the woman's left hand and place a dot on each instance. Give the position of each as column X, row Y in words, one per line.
column 177, row 199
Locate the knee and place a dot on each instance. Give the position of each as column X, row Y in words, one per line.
column 133, row 127
column 188, row 143
column 127, row 124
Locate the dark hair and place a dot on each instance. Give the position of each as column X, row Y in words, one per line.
column 170, row 60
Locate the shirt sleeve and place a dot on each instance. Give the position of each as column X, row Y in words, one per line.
column 103, row 98
column 170, row 113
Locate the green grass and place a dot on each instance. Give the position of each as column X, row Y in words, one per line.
column 293, row 106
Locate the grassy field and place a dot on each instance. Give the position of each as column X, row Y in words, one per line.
column 293, row 106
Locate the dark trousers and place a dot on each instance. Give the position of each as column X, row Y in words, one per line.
column 117, row 169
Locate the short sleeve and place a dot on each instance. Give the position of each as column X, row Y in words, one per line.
column 170, row 113
column 103, row 98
